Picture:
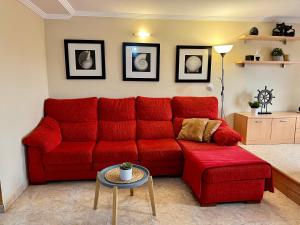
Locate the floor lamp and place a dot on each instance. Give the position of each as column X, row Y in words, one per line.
column 222, row 50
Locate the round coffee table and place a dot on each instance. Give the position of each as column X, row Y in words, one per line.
column 129, row 185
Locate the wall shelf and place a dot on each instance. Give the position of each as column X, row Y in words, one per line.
column 283, row 39
column 281, row 63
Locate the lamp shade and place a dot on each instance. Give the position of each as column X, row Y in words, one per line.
column 223, row 48
column 142, row 34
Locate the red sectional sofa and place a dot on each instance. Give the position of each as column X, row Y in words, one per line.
column 78, row 137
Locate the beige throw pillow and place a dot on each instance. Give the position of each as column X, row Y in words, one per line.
column 211, row 128
column 192, row 129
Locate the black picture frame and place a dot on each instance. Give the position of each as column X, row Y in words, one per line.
column 151, row 72
column 179, row 64
column 68, row 64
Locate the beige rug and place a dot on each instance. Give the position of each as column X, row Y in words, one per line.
column 284, row 157
column 70, row 203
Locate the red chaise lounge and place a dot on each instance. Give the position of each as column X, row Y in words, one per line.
column 78, row 137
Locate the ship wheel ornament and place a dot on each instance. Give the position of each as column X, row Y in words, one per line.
column 265, row 98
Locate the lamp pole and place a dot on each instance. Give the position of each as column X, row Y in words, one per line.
column 223, row 87
column 222, row 50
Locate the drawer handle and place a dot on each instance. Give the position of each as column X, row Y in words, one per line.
column 257, row 121
column 283, row 121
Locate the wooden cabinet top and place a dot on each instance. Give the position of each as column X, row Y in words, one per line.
column 270, row 116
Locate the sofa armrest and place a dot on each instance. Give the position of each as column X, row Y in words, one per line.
column 45, row 136
column 225, row 135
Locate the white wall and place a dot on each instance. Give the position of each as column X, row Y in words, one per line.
column 241, row 83
column 23, row 88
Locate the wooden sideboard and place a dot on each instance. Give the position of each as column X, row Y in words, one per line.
column 276, row 128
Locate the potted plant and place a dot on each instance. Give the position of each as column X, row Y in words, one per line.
column 126, row 171
column 254, row 107
column 277, row 54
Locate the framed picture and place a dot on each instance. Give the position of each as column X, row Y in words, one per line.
column 193, row 63
column 85, row 59
column 141, row 61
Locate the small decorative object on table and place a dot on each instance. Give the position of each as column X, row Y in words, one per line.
column 254, row 107
column 257, row 55
column 126, row 171
column 265, row 98
column 283, row 30
column 253, row 31
column 289, row 31
column 278, row 30
column 286, row 57
column 277, row 54
column 249, row 57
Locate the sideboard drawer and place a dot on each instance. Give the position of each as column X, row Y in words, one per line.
column 297, row 136
column 259, row 131
column 298, row 123
column 283, row 131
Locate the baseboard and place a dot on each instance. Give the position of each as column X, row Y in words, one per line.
column 15, row 196
column 287, row 185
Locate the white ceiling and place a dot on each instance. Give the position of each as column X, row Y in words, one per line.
column 231, row 10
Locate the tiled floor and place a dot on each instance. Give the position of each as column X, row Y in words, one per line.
column 284, row 157
column 70, row 203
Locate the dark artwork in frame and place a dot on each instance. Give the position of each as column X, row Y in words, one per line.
column 84, row 59
column 193, row 64
column 140, row 61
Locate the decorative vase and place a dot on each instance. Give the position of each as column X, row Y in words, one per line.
column 125, row 174
column 286, row 57
column 277, row 58
column 254, row 111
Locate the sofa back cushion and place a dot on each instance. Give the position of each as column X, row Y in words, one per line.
column 117, row 130
column 154, row 118
column 117, row 119
column 154, row 129
column 152, row 109
column 195, row 107
column 122, row 109
column 77, row 118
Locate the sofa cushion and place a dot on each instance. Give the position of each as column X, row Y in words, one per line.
column 154, row 129
column 192, row 129
column 196, row 146
column 159, row 150
column 81, row 131
column 116, row 109
column 219, row 154
column 72, row 110
column 115, row 151
column 164, row 168
column 210, row 129
column 70, row 153
column 195, row 107
column 236, row 173
column 153, row 108
column 226, row 136
column 177, row 124
column 77, row 117
column 117, row 130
